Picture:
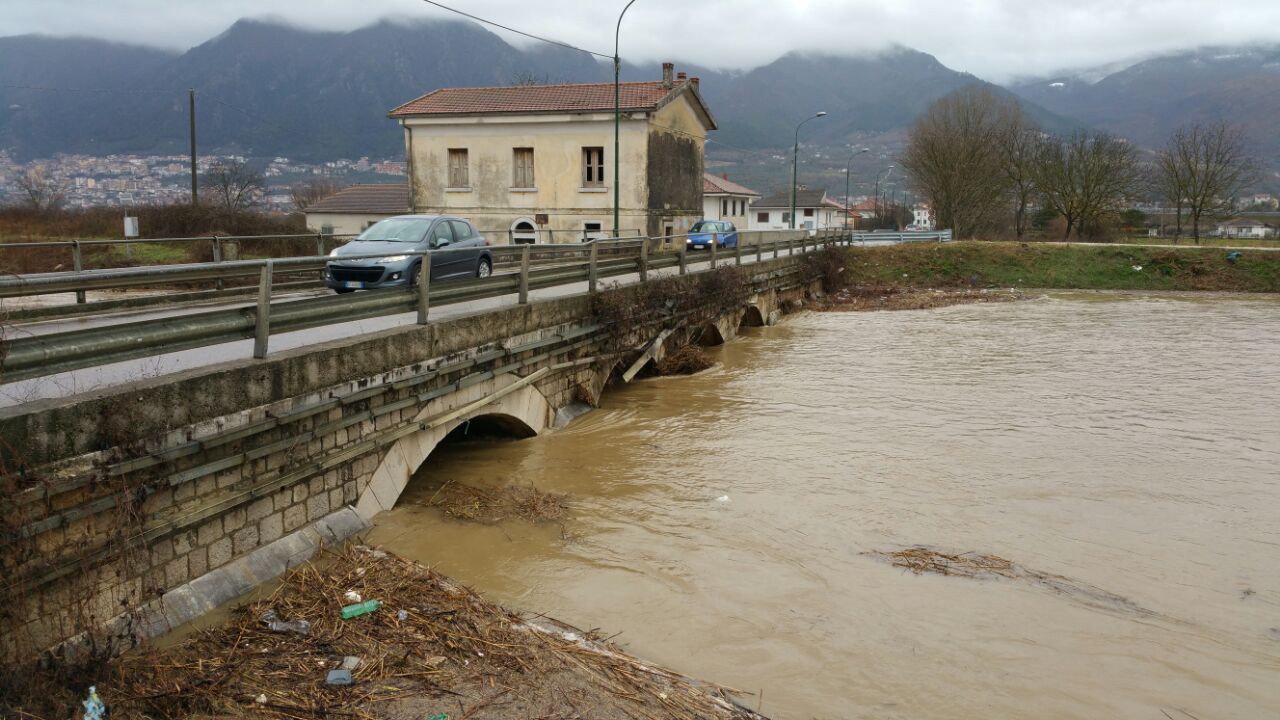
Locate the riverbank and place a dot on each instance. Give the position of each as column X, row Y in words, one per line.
column 865, row 298
column 976, row 265
column 432, row 649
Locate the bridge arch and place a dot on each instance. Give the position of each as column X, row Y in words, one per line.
column 523, row 412
column 753, row 316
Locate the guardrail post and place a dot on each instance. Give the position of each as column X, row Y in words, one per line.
column 593, row 266
column 262, row 322
column 715, row 240
column 319, row 244
column 759, row 250
column 424, row 288
column 683, row 252
column 77, row 260
column 217, row 257
column 644, row 259
column 524, row 274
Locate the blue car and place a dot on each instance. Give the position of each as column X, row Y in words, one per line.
column 703, row 231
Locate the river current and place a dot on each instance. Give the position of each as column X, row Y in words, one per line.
column 727, row 524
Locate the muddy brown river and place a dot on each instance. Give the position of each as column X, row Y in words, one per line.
column 726, row 524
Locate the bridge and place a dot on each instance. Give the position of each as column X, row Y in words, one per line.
column 223, row 444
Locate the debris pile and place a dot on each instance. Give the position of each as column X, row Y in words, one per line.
column 430, row 649
column 920, row 560
column 492, row 506
column 685, row 361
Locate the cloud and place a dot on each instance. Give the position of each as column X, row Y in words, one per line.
column 994, row 39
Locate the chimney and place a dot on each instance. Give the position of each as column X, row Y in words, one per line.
column 667, row 69
column 681, row 76
column 694, row 82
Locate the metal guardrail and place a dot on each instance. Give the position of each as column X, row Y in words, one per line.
column 35, row 356
column 903, row 237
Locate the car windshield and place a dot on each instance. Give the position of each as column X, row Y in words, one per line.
column 409, row 230
column 707, row 226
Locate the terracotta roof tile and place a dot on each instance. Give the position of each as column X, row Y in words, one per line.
column 714, row 184
column 537, row 98
column 388, row 199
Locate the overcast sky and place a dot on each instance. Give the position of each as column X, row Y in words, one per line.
column 994, row 39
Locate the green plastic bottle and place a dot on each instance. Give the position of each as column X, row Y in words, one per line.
column 363, row 608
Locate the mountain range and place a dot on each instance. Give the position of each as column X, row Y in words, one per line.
column 266, row 89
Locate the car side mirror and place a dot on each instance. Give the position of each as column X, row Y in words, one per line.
column 439, row 242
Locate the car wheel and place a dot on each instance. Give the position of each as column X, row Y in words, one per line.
column 484, row 269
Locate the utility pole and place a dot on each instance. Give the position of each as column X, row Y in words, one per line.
column 848, row 168
column 191, row 117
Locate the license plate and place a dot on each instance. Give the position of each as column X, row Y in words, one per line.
column 353, row 285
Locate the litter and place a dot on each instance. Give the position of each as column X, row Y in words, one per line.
column 341, row 676
column 261, row 699
column 351, row 596
column 275, row 624
column 402, row 615
column 722, row 499
column 93, row 707
column 359, row 609
column 350, row 662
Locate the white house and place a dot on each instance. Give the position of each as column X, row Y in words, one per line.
column 724, row 200
column 355, row 208
column 922, row 217
column 1245, row 228
column 813, row 211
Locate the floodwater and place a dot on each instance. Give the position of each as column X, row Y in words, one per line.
column 721, row 523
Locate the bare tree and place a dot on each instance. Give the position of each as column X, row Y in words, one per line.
column 308, row 193
column 953, row 158
column 40, row 189
column 1086, row 177
column 234, row 185
column 1019, row 147
column 1171, row 183
column 1206, row 166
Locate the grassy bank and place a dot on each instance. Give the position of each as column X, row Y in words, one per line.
column 1032, row 265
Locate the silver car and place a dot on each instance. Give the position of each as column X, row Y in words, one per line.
column 456, row 250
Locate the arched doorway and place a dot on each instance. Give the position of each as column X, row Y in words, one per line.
column 524, row 232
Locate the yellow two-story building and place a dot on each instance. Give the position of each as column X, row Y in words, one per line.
column 536, row 162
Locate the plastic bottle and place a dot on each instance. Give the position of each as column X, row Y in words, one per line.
column 359, row 609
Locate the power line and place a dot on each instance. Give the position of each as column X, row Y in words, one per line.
column 513, row 30
column 91, row 90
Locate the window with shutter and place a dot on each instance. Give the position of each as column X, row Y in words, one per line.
column 458, row 168
column 592, row 167
column 522, row 165
column 762, row 217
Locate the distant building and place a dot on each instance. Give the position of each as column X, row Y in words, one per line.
column 535, row 158
column 724, row 200
column 813, row 211
column 922, row 217
column 355, row 208
column 1245, row 228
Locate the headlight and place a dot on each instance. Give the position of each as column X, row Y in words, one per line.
column 333, row 252
column 393, row 258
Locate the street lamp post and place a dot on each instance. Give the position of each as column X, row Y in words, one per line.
column 848, row 168
column 795, row 159
column 881, row 178
column 617, row 113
